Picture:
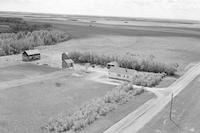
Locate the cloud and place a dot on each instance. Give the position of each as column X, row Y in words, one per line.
column 185, row 9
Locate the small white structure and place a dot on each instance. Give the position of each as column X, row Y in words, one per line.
column 112, row 64
column 121, row 73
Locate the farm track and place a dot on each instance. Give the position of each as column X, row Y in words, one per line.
column 137, row 119
column 20, row 82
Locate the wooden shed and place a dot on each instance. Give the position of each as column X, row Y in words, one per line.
column 112, row 64
column 68, row 63
column 30, row 55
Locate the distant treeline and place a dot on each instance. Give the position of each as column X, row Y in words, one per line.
column 18, row 24
column 14, row 43
column 130, row 62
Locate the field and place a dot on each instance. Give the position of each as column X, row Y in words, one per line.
column 23, row 71
column 165, row 44
column 184, row 113
column 28, row 107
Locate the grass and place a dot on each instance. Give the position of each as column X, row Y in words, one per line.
column 185, row 112
column 130, row 62
column 27, row 107
column 89, row 112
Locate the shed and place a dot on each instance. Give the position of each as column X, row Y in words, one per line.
column 112, row 64
column 67, row 63
column 30, row 55
column 121, row 73
column 65, row 56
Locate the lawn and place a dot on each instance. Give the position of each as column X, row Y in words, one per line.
column 23, row 71
column 185, row 113
column 26, row 108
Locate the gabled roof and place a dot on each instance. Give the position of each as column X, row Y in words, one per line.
column 32, row 52
column 123, row 71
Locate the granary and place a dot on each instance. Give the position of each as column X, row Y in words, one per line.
column 65, row 56
column 67, row 63
column 121, row 73
column 112, row 64
column 30, row 55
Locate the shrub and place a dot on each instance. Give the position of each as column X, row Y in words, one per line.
column 147, row 79
column 128, row 61
column 92, row 110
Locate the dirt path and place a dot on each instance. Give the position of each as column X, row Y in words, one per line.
column 19, row 82
column 136, row 120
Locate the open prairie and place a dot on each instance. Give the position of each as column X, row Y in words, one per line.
column 167, row 44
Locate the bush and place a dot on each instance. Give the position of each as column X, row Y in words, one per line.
column 92, row 110
column 130, row 62
column 147, row 79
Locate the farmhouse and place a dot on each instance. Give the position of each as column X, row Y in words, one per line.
column 121, row 73
column 67, row 63
column 30, row 55
column 112, row 64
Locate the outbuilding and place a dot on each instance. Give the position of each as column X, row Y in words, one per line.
column 112, row 64
column 30, row 55
column 65, row 56
column 121, row 73
column 67, row 63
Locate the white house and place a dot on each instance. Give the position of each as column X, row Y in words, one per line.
column 121, row 73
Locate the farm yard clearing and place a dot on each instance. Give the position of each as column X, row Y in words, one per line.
column 27, row 107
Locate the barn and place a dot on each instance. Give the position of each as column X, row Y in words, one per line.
column 67, row 63
column 121, row 73
column 31, row 55
column 112, row 64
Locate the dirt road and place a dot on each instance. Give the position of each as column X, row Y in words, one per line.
column 136, row 120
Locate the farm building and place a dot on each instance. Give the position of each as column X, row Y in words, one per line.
column 65, row 56
column 30, row 55
column 67, row 63
column 112, row 64
column 121, row 73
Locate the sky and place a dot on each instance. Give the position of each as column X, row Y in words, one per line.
column 171, row 9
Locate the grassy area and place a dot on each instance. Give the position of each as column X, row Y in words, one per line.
column 185, row 112
column 16, row 72
column 28, row 107
column 122, row 111
column 78, row 119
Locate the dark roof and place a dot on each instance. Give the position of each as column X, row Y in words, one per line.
column 32, row 52
column 124, row 71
